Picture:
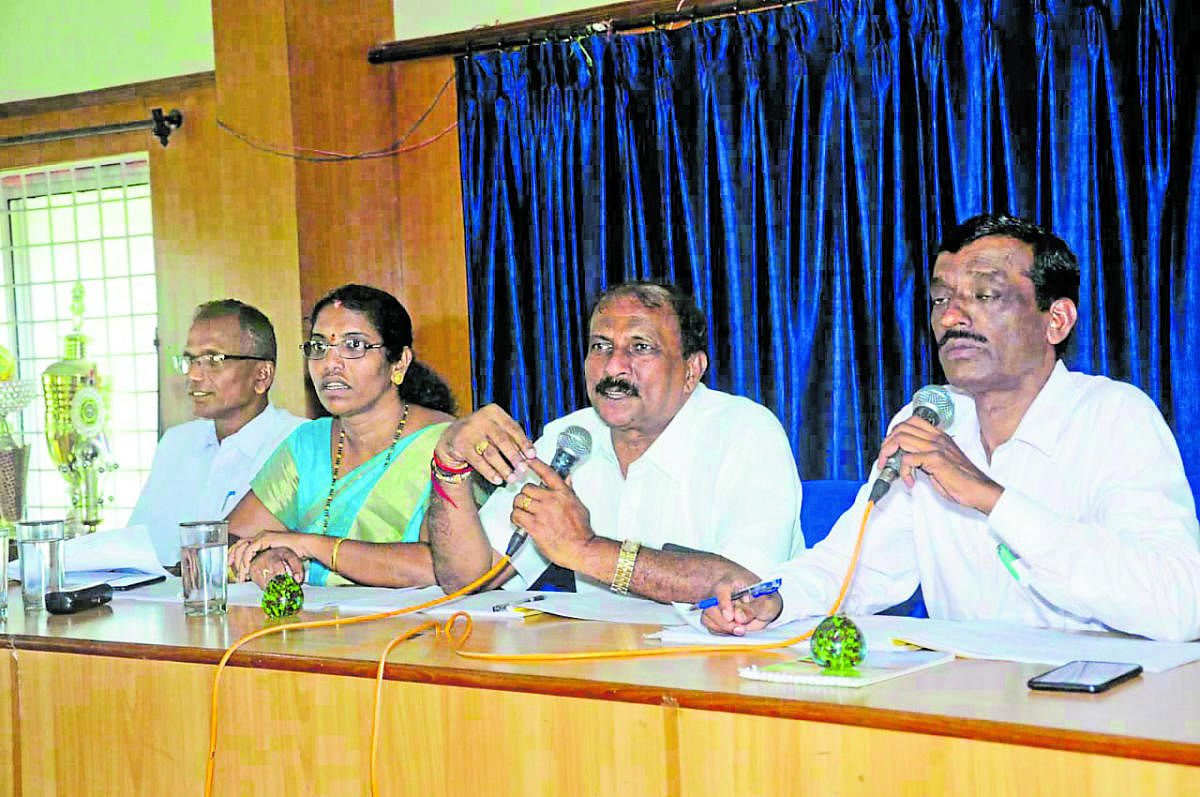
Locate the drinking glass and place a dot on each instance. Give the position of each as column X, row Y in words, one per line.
column 41, row 543
column 203, row 549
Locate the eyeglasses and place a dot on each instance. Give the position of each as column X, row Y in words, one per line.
column 348, row 349
column 207, row 362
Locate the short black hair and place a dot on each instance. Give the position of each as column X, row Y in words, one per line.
column 253, row 323
column 693, row 326
column 421, row 384
column 1055, row 270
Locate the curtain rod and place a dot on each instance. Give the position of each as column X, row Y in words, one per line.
column 611, row 18
column 162, row 125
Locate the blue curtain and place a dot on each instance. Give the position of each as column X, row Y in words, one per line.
column 794, row 169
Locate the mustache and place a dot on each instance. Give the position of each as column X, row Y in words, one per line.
column 616, row 383
column 954, row 334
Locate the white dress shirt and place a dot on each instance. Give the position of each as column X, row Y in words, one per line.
column 1095, row 505
column 194, row 477
column 720, row 478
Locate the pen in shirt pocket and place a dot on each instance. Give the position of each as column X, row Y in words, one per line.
column 228, row 495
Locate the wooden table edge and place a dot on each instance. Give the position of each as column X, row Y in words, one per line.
column 1113, row 745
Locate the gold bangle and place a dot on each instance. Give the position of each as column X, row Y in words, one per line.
column 333, row 556
column 626, row 559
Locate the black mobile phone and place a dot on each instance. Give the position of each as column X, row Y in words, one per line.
column 134, row 581
column 1085, row 676
column 77, row 599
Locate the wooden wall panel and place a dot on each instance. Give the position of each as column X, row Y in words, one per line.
column 256, row 201
column 342, row 104
column 433, row 257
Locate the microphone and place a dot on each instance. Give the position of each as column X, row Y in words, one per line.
column 931, row 404
column 574, row 444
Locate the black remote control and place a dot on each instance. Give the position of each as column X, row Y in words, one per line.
column 76, row 600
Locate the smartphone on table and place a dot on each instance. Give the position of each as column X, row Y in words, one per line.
column 1085, row 676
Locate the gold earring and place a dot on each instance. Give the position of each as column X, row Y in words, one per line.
column 397, row 378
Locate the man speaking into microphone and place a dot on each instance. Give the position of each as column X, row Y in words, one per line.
column 681, row 485
column 1052, row 498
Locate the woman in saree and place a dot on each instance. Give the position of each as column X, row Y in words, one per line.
column 342, row 499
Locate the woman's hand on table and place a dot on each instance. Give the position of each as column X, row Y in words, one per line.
column 288, row 547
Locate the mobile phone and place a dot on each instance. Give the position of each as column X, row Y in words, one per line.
column 1085, row 676
column 131, row 582
column 77, row 599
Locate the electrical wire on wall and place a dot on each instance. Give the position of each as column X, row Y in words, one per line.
column 309, row 155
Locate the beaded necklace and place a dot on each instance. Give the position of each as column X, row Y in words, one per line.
column 337, row 462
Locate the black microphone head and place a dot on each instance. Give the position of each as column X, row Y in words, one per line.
column 574, row 443
column 933, row 404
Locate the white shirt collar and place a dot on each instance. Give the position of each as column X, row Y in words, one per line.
column 253, row 435
column 1040, row 426
column 675, row 446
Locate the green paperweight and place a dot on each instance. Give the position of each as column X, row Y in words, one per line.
column 283, row 597
column 838, row 645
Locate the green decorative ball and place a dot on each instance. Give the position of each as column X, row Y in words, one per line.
column 283, row 597
column 838, row 645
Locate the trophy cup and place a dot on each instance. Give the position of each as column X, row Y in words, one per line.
column 77, row 404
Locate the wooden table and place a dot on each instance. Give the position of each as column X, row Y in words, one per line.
column 114, row 701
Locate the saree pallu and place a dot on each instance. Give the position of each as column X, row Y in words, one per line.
column 382, row 500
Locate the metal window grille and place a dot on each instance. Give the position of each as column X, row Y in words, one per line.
column 88, row 221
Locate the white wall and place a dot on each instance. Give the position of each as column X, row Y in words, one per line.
column 52, row 47
column 413, row 19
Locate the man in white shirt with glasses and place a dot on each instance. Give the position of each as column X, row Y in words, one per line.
column 202, row 468
column 1053, row 499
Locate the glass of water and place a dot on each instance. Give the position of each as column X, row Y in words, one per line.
column 203, row 547
column 41, row 543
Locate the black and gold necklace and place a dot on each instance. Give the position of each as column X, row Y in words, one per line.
column 337, row 462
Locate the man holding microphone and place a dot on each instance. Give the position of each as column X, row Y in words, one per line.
column 1053, row 499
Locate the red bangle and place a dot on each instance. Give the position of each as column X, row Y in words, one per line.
column 443, row 467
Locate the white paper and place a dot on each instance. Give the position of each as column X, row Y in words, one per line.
column 608, row 607
column 975, row 640
column 371, row 600
column 982, row 640
column 480, row 605
column 877, row 636
column 102, row 553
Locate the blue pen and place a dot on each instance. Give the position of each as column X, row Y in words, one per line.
column 228, row 495
column 754, row 591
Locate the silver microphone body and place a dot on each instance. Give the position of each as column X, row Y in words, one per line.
column 574, row 444
column 931, row 404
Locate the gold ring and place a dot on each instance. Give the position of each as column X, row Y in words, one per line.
column 481, row 446
column 528, row 502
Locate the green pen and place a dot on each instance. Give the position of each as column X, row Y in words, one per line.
column 1007, row 557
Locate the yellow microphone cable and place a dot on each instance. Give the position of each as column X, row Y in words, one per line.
column 458, row 642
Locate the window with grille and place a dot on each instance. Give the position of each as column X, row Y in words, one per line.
column 87, row 223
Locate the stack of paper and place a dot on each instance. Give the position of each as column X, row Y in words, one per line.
column 879, row 665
